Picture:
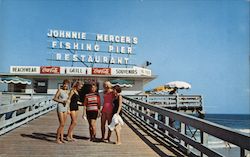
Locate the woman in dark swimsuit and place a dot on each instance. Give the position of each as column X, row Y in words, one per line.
column 74, row 99
column 117, row 109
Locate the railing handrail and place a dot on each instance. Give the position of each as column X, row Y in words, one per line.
column 166, row 95
column 219, row 131
column 22, row 93
column 176, row 102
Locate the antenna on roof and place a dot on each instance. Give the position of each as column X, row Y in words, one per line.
column 146, row 64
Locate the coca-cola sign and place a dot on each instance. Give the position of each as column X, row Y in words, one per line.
column 101, row 71
column 49, row 70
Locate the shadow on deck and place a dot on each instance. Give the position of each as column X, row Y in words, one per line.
column 37, row 138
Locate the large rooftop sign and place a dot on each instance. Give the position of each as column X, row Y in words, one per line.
column 90, row 48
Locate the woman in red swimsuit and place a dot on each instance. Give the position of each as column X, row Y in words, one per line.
column 107, row 108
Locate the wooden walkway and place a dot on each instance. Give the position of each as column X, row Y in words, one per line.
column 37, row 138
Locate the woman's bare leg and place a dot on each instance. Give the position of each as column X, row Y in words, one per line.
column 118, row 134
column 109, row 118
column 62, row 131
column 90, row 130
column 59, row 135
column 73, row 115
column 103, row 122
column 93, row 126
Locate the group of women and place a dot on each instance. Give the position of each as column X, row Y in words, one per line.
column 87, row 95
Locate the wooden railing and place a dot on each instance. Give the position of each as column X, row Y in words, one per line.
column 14, row 97
column 148, row 115
column 16, row 114
column 176, row 102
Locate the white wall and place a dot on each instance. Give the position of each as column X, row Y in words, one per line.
column 3, row 87
column 53, row 85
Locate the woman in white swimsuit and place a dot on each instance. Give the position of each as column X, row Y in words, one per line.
column 62, row 109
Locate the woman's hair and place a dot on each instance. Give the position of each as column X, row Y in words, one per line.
column 76, row 84
column 108, row 84
column 93, row 84
column 117, row 88
column 87, row 88
column 66, row 81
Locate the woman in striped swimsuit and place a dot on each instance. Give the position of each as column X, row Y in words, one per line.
column 92, row 109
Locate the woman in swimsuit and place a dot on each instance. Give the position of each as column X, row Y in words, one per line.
column 107, row 108
column 117, row 109
column 74, row 102
column 61, row 97
column 92, row 109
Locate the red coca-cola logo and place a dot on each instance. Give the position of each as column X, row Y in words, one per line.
column 101, row 71
column 49, row 70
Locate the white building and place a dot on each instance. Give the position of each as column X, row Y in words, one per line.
column 47, row 79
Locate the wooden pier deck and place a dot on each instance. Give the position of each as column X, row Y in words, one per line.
column 37, row 138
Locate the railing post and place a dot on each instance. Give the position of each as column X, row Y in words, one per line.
column 11, row 98
column 162, row 101
column 32, row 93
column 156, row 118
column 13, row 114
column 2, row 117
column 183, row 131
column 247, row 153
column 133, row 105
column 1, row 97
column 204, row 141
column 28, row 109
column 130, row 106
column 148, row 113
column 177, row 102
column 166, row 123
column 137, row 107
column 143, row 111
column 242, row 152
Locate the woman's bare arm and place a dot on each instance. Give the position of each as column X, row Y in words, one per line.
column 56, row 97
column 120, row 104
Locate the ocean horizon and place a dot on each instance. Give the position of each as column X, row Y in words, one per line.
column 238, row 122
column 235, row 121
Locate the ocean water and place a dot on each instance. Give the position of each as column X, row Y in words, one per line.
column 235, row 121
column 239, row 122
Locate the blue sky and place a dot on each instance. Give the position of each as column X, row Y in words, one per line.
column 203, row 42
